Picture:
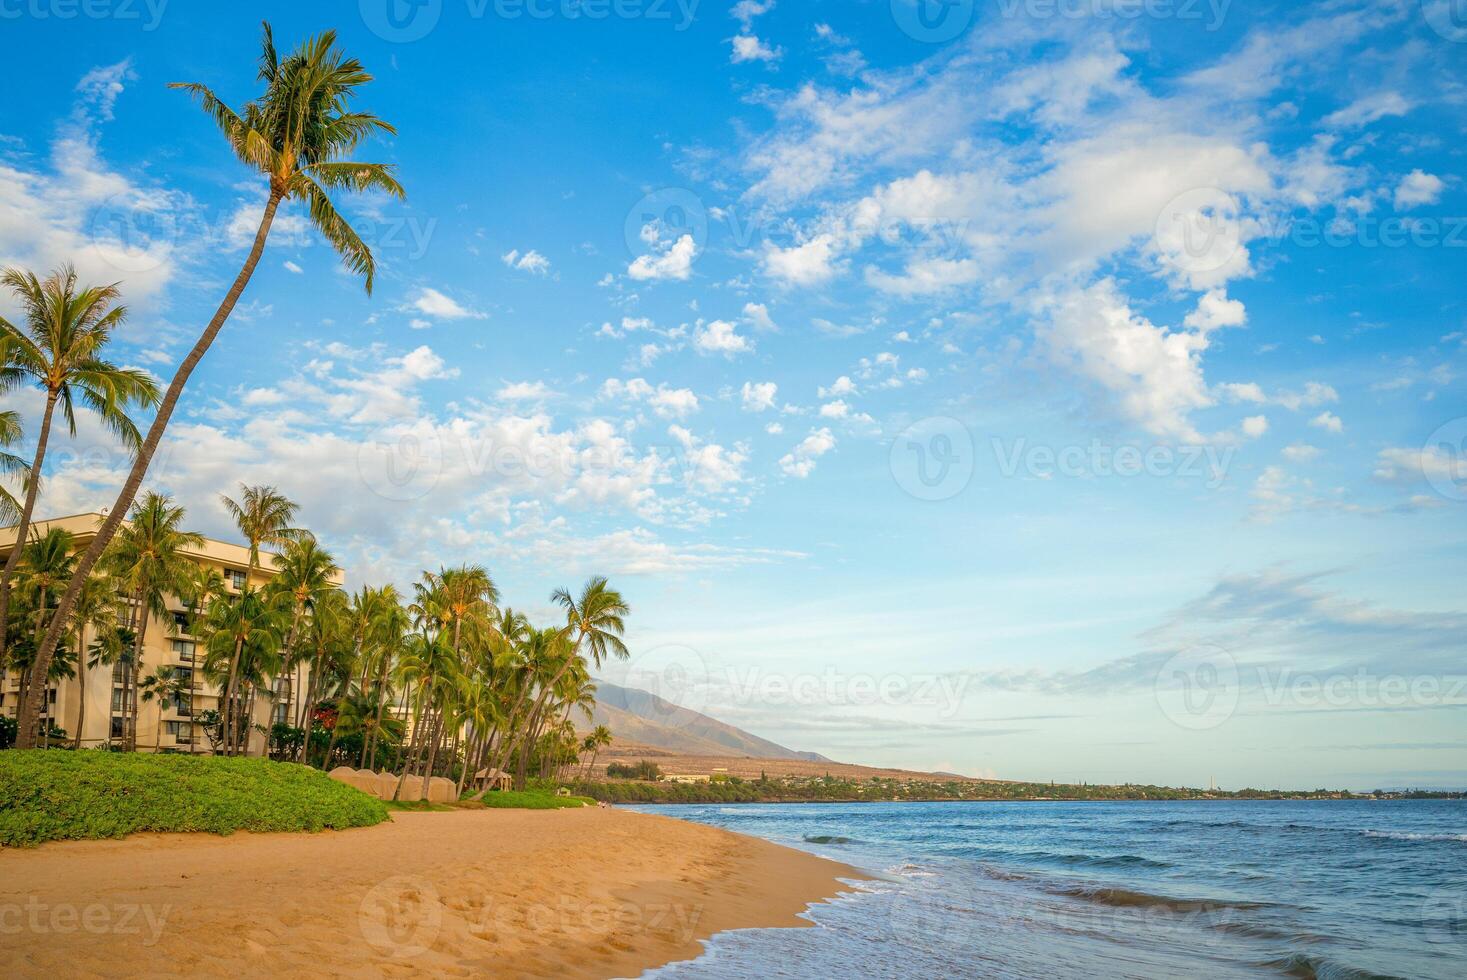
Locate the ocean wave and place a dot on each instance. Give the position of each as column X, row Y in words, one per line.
column 1127, row 898
column 829, row 839
column 1403, row 835
column 1320, row 968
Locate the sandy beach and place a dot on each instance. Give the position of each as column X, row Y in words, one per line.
column 579, row 893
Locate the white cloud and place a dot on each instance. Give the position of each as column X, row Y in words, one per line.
column 1367, row 110
column 430, row 302
column 674, row 262
column 1416, row 188
column 1255, row 426
column 528, row 261
column 835, row 410
column 759, row 397
column 666, row 401
column 806, row 264
column 774, row 429
column 1153, row 375
column 292, row 267
column 1300, row 452
column 708, row 467
column 524, row 391
column 841, row 386
column 722, row 337
column 757, row 315
column 1245, row 392
column 747, row 47
column 1315, row 393
column 1327, row 421
column 800, row 461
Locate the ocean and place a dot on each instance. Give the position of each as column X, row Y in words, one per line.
column 1329, row 889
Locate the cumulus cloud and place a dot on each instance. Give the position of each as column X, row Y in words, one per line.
column 673, row 262
column 1417, row 188
column 721, row 337
column 800, row 461
column 759, row 397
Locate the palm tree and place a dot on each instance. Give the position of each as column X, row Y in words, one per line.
column 95, row 609
column 264, row 516
column 60, row 352
column 46, row 561
column 237, row 635
column 166, row 684
column 295, row 135
column 598, row 739
column 304, row 578
column 206, row 585
column 149, row 560
column 10, row 464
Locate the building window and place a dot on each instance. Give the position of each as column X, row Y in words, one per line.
column 181, row 731
column 183, row 705
column 180, row 621
column 117, row 699
column 184, row 650
column 236, row 578
column 116, row 726
column 282, row 714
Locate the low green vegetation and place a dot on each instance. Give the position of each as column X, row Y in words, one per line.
column 832, row 789
column 75, row 795
column 534, row 799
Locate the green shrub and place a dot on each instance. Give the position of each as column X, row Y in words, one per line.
column 533, row 800
column 74, row 795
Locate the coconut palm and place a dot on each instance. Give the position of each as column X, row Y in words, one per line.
column 238, row 633
column 598, row 739
column 166, row 683
column 296, row 135
column 304, row 577
column 149, row 560
column 264, row 516
column 59, row 350
column 11, row 465
column 46, row 561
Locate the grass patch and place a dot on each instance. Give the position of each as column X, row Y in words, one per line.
column 532, row 799
column 54, row 795
column 419, row 806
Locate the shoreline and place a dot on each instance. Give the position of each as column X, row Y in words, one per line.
column 593, row 892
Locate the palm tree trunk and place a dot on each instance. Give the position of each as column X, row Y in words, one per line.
column 30, row 708
column 228, row 706
column 381, row 707
column 81, row 673
column 33, row 486
column 137, row 666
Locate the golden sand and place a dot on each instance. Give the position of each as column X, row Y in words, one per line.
column 558, row 893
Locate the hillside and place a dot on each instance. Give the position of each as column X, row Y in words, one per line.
column 645, row 719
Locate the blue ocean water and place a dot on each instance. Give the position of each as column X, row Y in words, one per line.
column 1330, row 889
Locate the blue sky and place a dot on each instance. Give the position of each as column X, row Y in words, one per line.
column 1045, row 390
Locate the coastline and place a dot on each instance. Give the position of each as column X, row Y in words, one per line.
column 583, row 893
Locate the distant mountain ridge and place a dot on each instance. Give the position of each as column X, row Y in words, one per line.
column 635, row 715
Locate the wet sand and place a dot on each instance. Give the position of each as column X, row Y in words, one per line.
column 553, row 893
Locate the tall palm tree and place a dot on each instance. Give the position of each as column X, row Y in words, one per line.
column 150, row 562
column 206, row 585
column 238, row 633
column 598, row 739
column 304, row 577
column 59, row 351
column 95, row 609
column 264, row 516
column 296, row 135
column 46, row 561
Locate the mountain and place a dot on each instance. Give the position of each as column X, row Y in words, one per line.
column 638, row 716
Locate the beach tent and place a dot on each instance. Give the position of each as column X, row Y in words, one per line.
column 494, row 778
